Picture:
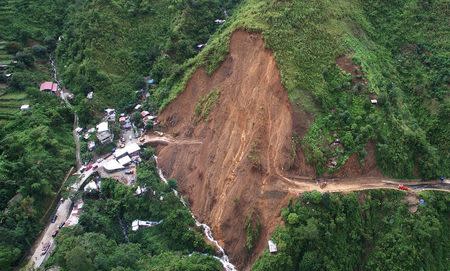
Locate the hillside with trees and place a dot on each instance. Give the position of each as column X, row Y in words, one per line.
column 362, row 231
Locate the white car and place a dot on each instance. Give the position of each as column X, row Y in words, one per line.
column 99, row 160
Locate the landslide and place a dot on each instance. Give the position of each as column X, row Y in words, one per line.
column 234, row 176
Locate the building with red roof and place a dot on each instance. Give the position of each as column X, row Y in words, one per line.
column 49, row 86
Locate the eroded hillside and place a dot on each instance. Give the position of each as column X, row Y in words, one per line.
column 233, row 177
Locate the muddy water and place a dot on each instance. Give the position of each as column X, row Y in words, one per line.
column 206, row 229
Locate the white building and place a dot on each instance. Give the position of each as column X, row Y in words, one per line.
column 141, row 223
column 124, row 161
column 272, row 247
column 130, row 149
column 112, row 165
column 104, row 135
column 25, row 107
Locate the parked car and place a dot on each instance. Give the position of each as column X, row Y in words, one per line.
column 82, row 169
column 55, row 233
column 54, row 218
column 99, row 160
column 122, row 145
column 61, row 225
column 122, row 139
column 95, row 166
column 129, row 171
column 89, row 166
column 142, row 139
column 403, row 187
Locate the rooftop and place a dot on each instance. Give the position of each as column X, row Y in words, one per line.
column 49, row 86
column 102, row 127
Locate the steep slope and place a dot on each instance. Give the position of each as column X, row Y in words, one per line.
column 233, row 176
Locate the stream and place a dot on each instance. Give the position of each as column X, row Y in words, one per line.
column 227, row 265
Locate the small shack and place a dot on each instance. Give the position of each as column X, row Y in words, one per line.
column 25, row 107
column 272, row 247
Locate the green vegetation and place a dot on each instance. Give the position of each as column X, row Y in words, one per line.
column 252, row 230
column 109, row 46
column 103, row 240
column 362, row 231
column 36, row 146
column 405, row 68
column 36, row 151
column 206, row 104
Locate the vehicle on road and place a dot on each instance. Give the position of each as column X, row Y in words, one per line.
column 54, row 218
column 45, row 249
column 403, row 187
column 55, row 233
column 61, row 225
column 99, row 160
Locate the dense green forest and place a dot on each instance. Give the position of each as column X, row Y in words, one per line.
column 362, row 231
column 103, row 240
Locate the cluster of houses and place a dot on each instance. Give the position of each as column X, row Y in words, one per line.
column 123, row 157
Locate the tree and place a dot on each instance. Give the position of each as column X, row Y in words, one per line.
column 78, row 259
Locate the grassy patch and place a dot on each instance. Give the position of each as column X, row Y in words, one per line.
column 206, row 104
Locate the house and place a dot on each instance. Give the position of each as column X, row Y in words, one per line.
column 130, row 149
column 124, row 161
column 145, row 114
column 91, row 145
column 104, row 135
column 25, row 107
column 272, row 247
column 49, row 86
column 140, row 223
column 122, row 119
column 112, row 165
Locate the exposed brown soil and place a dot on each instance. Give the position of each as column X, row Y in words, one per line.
column 253, row 114
column 354, row 168
column 346, row 64
column 239, row 160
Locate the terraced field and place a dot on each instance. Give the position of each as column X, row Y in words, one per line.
column 5, row 58
column 10, row 104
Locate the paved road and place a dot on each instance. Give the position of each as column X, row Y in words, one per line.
column 62, row 212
